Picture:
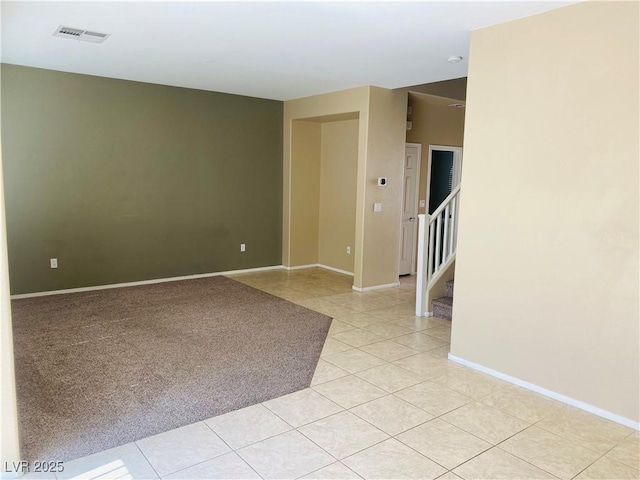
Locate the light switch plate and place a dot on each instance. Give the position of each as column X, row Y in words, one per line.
column 377, row 207
column 423, row 203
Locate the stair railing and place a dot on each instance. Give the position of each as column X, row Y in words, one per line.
column 437, row 238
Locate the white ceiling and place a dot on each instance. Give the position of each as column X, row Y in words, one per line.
column 278, row 50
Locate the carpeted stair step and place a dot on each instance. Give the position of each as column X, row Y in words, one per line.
column 442, row 307
column 450, row 288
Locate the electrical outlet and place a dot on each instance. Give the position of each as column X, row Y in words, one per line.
column 348, row 250
column 54, row 263
column 243, row 247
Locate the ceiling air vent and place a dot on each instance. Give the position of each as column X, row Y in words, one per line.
column 83, row 35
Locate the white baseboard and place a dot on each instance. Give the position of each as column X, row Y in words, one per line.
column 300, row 267
column 549, row 393
column 173, row 279
column 375, row 287
column 319, row 265
column 142, row 282
column 333, row 269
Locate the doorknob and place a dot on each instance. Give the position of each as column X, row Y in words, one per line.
column 412, row 219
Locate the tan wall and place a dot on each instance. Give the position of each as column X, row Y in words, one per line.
column 433, row 125
column 385, row 158
column 338, row 176
column 455, row 88
column 381, row 140
column 305, row 155
column 547, row 265
column 345, row 102
column 9, row 439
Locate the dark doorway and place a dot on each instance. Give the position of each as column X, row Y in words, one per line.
column 441, row 178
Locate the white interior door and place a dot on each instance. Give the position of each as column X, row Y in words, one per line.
column 409, row 227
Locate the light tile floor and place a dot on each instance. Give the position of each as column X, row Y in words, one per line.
column 385, row 403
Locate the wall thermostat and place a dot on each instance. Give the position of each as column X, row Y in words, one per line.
column 382, row 181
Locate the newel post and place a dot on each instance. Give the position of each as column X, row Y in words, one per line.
column 422, row 275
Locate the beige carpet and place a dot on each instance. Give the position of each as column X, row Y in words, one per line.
column 99, row 369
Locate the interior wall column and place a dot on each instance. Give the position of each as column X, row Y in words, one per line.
column 9, row 440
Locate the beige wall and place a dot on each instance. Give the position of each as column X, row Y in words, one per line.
column 381, row 140
column 9, row 440
column 354, row 101
column 547, row 264
column 305, row 188
column 434, row 123
column 455, row 88
column 338, row 176
column 9, row 436
column 385, row 158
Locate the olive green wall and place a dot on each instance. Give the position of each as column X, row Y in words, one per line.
column 124, row 181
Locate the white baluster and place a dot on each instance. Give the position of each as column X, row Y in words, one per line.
column 445, row 238
column 454, row 202
column 431, row 250
column 438, row 237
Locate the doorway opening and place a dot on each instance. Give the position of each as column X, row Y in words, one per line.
column 445, row 166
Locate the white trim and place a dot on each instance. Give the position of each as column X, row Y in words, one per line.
column 184, row 277
column 319, row 265
column 333, row 269
column 414, row 240
column 300, row 267
column 549, row 393
column 443, row 269
column 421, row 278
column 375, row 287
column 414, row 250
column 143, row 282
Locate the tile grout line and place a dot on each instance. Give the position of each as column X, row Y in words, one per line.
column 354, row 453
column 389, row 435
column 230, row 447
column 296, row 430
column 415, row 450
column 599, row 458
column 364, row 420
column 197, row 463
column 337, row 461
column 572, row 440
column 147, row 459
column 474, row 400
column 449, row 423
column 524, row 460
column 308, row 423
